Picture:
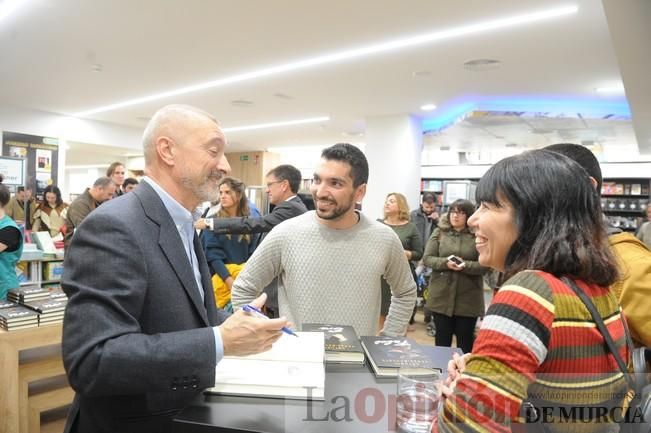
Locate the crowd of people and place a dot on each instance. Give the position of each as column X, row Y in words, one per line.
column 166, row 313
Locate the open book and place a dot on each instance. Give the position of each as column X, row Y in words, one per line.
column 293, row 368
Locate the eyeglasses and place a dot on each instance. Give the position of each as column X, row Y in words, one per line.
column 275, row 181
column 457, row 212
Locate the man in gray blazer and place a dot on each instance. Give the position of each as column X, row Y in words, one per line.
column 283, row 183
column 141, row 333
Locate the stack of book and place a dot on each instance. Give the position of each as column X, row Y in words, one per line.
column 14, row 316
column 341, row 343
column 388, row 354
column 50, row 309
column 25, row 294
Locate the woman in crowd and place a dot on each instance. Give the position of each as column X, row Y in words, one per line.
column 396, row 216
column 11, row 245
column 456, row 290
column 117, row 173
column 226, row 254
column 51, row 214
column 540, row 222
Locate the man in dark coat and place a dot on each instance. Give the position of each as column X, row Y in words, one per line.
column 141, row 333
column 282, row 187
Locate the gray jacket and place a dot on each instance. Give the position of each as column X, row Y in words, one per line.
column 137, row 339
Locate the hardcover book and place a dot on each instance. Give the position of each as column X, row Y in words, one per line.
column 27, row 293
column 293, row 369
column 17, row 317
column 341, row 343
column 387, row 354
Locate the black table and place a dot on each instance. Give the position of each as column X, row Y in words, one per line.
column 355, row 402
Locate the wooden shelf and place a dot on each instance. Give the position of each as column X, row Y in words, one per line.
column 12, row 343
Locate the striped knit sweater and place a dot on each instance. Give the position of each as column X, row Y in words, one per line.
column 538, row 341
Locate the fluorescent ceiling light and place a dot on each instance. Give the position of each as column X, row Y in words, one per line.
column 428, row 107
column 347, row 54
column 613, row 89
column 7, row 7
column 277, row 124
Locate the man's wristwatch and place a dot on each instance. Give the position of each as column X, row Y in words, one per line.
column 210, row 223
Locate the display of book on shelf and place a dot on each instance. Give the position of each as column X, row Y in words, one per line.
column 341, row 342
column 293, row 369
column 50, row 309
column 14, row 316
column 387, row 354
column 44, row 242
column 27, row 293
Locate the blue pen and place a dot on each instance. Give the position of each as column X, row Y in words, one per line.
column 251, row 309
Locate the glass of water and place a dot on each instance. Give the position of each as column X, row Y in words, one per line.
column 418, row 399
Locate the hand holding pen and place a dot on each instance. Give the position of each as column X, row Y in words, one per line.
column 245, row 334
column 254, row 311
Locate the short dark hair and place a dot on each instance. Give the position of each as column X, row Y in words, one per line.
column 351, row 155
column 462, row 205
column 557, row 214
column 5, row 195
column 102, row 182
column 429, row 198
column 582, row 156
column 53, row 190
column 129, row 181
column 289, row 173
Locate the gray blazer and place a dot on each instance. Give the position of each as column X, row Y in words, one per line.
column 137, row 339
column 283, row 211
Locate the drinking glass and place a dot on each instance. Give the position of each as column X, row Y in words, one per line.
column 418, row 399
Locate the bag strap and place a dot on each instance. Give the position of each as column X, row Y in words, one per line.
column 602, row 328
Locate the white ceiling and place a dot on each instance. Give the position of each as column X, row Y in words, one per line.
column 51, row 48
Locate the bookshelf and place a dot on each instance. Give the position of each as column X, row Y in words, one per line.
column 448, row 190
column 624, row 201
column 42, row 272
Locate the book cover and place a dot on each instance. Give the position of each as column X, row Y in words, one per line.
column 26, row 293
column 341, row 342
column 17, row 314
column 293, row 368
column 48, row 305
column 387, row 354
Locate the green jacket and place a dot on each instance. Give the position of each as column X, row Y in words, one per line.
column 454, row 293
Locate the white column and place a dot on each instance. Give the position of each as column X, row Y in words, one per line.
column 393, row 149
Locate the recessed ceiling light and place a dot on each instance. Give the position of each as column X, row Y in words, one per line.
column 479, row 65
column 619, row 88
column 423, row 73
column 277, row 124
column 382, row 47
column 7, row 7
column 511, row 145
column 428, row 107
column 445, row 148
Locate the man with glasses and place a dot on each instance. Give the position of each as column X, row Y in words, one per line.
column 282, row 187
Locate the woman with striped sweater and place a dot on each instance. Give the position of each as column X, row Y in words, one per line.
column 539, row 220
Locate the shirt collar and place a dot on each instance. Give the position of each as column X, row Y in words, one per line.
column 180, row 215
